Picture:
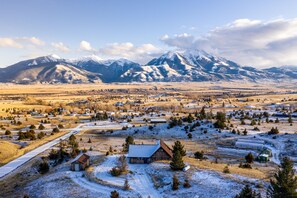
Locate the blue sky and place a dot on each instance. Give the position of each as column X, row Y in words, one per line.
column 140, row 30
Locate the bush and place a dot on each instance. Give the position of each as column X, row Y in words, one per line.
column 150, row 127
column 190, row 135
column 199, row 155
column 115, row 171
column 41, row 127
column 245, row 165
column 40, row 135
column 43, row 167
column 126, row 185
column 273, row 131
column 7, row 132
column 256, row 129
column 226, row 169
column 56, row 130
column 114, row 194
column 187, row 184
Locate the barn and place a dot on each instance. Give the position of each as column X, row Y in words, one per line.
column 147, row 153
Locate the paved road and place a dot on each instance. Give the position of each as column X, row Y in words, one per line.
column 11, row 166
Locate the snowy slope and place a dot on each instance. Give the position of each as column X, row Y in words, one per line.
column 173, row 66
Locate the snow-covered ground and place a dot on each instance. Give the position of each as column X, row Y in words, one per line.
column 161, row 131
column 204, row 183
column 139, row 180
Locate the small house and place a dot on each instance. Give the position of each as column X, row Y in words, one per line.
column 81, row 162
column 147, row 153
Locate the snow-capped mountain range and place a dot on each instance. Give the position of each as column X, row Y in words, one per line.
column 189, row 65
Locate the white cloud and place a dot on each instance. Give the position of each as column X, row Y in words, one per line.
column 128, row 50
column 249, row 42
column 86, row 46
column 9, row 42
column 60, row 47
column 20, row 42
column 179, row 40
column 34, row 41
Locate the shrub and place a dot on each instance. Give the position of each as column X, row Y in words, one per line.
column 187, row 184
column 56, row 130
column 245, row 165
column 226, row 169
column 273, row 131
column 190, row 135
column 114, row 194
column 126, row 185
column 40, row 135
column 199, row 155
column 150, row 127
column 115, row 171
column 43, row 167
column 41, row 127
column 7, row 132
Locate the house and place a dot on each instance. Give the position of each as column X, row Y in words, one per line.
column 119, row 104
column 81, row 162
column 147, row 153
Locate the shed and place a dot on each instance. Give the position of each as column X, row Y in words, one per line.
column 81, row 162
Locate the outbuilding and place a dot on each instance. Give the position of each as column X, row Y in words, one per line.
column 81, row 162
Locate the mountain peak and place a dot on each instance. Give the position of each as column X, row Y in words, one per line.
column 54, row 56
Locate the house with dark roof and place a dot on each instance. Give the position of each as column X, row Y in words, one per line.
column 81, row 162
column 147, row 153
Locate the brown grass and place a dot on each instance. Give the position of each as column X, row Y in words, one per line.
column 19, row 152
column 8, row 149
column 234, row 169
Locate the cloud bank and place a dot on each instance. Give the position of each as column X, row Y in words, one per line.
column 248, row 42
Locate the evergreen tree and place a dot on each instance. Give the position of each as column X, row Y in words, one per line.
column 179, row 147
column 247, row 192
column 129, row 140
column 175, row 183
column 290, row 120
column 249, row 158
column 177, row 161
column 41, row 127
column 72, row 139
column 202, row 113
column 221, row 119
column 285, row 181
